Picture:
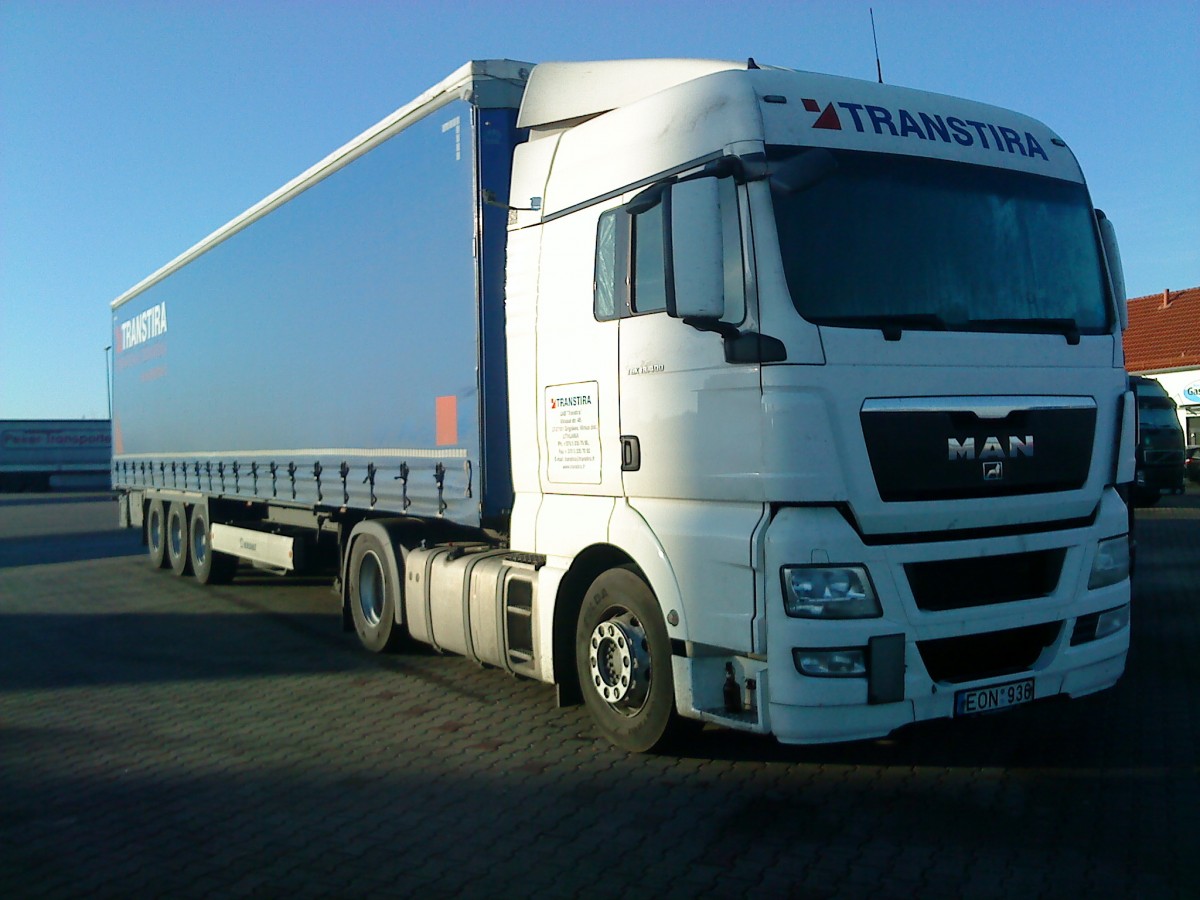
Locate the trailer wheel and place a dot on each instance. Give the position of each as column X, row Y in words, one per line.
column 372, row 598
column 208, row 565
column 156, row 534
column 177, row 539
column 623, row 659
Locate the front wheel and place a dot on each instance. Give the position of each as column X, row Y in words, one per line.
column 623, row 660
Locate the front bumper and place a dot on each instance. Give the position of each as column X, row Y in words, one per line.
column 1159, row 479
column 944, row 650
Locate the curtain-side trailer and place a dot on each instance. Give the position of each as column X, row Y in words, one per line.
column 46, row 454
column 702, row 390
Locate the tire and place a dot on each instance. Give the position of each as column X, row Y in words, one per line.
column 177, row 539
column 372, row 596
column 208, row 565
column 156, row 534
column 623, row 660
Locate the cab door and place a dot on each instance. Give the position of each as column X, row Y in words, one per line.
column 689, row 408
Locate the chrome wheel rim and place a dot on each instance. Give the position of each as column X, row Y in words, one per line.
column 175, row 528
column 200, row 546
column 619, row 663
column 156, row 530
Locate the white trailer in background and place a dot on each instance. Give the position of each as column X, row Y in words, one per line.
column 703, row 390
column 48, row 454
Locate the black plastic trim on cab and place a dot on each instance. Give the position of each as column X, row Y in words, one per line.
column 959, row 534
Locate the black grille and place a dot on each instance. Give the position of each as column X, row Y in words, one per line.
column 954, row 455
column 988, row 655
column 1164, row 457
column 982, row 581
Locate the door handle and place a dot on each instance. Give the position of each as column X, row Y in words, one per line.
column 631, row 453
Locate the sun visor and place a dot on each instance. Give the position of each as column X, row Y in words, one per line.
column 569, row 91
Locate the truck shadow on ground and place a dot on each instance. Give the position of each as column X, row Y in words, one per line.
column 62, row 548
column 47, row 652
column 201, row 643
column 1052, row 734
column 157, row 828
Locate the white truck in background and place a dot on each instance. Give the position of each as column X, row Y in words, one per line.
column 703, row 390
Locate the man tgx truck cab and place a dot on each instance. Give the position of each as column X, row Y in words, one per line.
column 783, row 401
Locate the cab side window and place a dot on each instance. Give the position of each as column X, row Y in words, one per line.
column 606, row 302
column 635, row 261
column 648, row 292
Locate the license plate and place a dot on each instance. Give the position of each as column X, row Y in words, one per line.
column 991, row 699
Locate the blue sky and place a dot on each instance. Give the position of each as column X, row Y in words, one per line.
column 130, row 130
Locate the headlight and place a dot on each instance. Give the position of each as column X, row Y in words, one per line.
column 1111, row 564
column 829, row 592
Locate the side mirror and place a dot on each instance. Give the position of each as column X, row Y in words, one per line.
column 697, row 254
column 1112, row 255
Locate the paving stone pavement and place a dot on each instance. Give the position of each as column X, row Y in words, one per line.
column 162, row 739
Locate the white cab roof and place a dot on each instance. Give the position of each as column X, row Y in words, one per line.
column 565, row 91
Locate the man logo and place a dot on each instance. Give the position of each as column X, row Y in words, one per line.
column 992, row 448
column 993, row 471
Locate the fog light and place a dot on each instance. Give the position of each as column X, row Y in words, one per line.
column 1094, row 626
column 1112, row 621
column 843, row 663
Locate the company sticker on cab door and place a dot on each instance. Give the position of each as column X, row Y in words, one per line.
column 573, row 433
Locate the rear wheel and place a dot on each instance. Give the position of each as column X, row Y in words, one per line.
column 208, row 565
column 156, row 534
column 623, row 659
column 177, row 539
column 372, row 597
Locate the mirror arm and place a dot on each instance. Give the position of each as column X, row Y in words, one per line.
column 742, row 169
column 745, row 347
column 706, row 323
column 753, row 348
column 489, row 199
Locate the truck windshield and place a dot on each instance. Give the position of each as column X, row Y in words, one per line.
column 1157, row 414
column 898, row 242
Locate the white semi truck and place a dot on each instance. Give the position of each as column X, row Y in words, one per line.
column 705, row 391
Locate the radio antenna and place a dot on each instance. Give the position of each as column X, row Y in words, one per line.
column 878, row 68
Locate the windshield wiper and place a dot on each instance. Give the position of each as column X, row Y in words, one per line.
column 891, row 325
column 894, row 325
column 1068, row 328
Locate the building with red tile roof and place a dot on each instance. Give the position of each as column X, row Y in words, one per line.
column 1164, row 332
column 1163, row 341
